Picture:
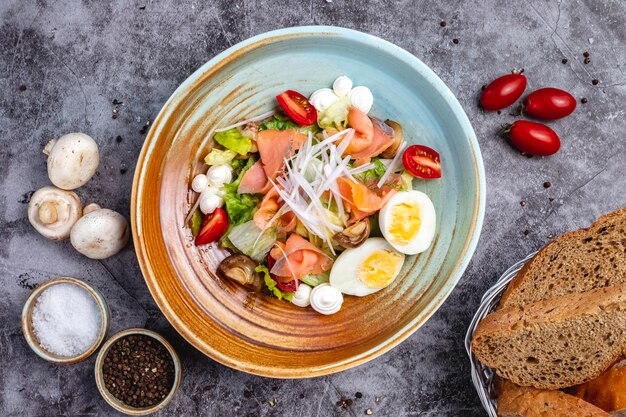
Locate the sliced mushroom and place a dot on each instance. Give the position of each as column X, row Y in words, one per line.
column 99, row 234
column 240, row 268
column 53, row 212
column 391, row 151
column 72, row 160
column 354, row 235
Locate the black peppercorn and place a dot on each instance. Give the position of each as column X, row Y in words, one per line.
column 594, row 82
column 443, row 24
column 138, row 370
column 455, row 40
column 586, row 54
column 547, row 184
column 583, row 100
column 564, row 61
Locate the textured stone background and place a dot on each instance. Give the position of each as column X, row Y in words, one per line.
column 62, row 63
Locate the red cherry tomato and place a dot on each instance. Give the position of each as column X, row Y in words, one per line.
column 422, row 162
column 297, row 107
column 533, row 138
column 503, row 91
column 213, row 227
column 549, row 104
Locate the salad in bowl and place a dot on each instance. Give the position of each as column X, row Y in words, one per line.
column 315, row 200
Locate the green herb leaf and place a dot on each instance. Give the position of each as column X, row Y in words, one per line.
column 271, row 284
column 233, row 139
column 196, row 222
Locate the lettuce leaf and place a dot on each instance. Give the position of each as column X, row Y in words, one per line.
column 373, row 175
column 219, row 157
column 407, row 181
column 196, row 222
column 240, row 207
column 336, row 115
column 271, row 284
column 234, row 140
column 278, row 122
column 252, row 241
column 315, row 280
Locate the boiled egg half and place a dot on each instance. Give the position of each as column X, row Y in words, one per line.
column 367, row 268
column 408, row 222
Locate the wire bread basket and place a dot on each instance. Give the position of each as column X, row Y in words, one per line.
column 482, row 376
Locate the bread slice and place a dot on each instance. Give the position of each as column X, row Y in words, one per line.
column 532, row 402
column 555, row 343
column 608, row 391
column 575, row 262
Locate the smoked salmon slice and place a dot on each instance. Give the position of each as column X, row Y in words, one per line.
column 274, row 146
column 268, row 208
column 363, row 200
column 381, row 140
column 298, row 258
column 363, row 131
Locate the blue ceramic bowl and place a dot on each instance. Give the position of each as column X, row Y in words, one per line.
column 259, row 334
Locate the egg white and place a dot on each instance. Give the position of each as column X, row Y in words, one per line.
column 343, row 275
column 426, row 232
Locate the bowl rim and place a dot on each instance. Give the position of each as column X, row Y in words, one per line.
column 457, row 270
column 30, row 337
column 118, row 404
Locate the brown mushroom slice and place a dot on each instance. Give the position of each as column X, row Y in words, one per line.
column 354, row 235
column 241, row 269
column 391, row 151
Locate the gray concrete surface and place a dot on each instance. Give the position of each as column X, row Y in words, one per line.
column 63, row 63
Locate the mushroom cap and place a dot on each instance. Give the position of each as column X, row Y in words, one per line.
column 100, row 233
column 72, row 160
column 53, row 212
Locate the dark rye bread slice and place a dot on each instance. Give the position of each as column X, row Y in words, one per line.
column 532, row 402
column 575, row 262
column 555, row 343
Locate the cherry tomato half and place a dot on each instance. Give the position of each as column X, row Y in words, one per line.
column 549, row 104
column 297, row 107
column 422, row 162
column 533, row 138
column 503, row 91
column 213, row 227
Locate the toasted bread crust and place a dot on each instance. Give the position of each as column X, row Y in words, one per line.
column 540, row 278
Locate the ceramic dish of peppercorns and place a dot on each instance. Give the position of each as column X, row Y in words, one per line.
column 137, row 372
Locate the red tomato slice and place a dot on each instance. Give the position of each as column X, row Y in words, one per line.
column 297, row 107
column 213, row 227
column 422, row 162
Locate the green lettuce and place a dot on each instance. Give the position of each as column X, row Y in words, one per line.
column 234, row 140
column 219, row 157
column 336, row 115
column 315, row 280
column 196, row 222
column 373, row 175
column 272, row 286
column 240, row 207
column 278, row 122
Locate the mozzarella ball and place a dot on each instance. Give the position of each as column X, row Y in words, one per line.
column 199, row 183
column 209, row 202
column 219, row 175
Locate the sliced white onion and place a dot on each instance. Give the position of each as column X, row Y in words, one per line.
column 395, row 164
column 250, row 120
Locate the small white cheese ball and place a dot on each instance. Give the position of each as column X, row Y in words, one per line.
column 220, row 191
column 199, row 183
column 342, row 86
column 326, row 299
column 219, row 175
column 322, row 99
column 209, row 202
column 302, row 297
column 361, row 97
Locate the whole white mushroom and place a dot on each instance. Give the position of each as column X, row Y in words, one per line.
column 53, row 212
column 99, row 234
column 72, row 160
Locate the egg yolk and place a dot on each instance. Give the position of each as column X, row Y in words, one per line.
column 379, row 269
column 405, row 222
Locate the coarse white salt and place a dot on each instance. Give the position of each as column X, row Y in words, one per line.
column 66, row 320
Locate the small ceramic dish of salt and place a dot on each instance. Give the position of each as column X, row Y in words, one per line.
column 65, row 320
